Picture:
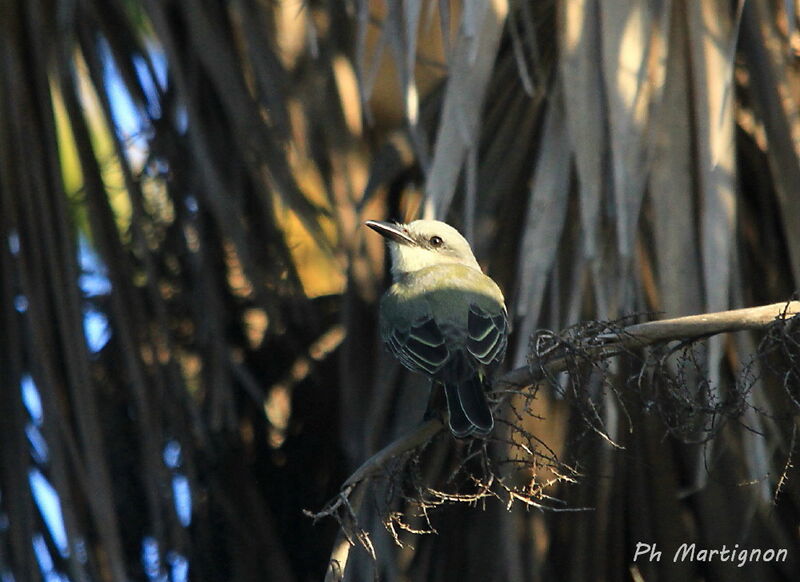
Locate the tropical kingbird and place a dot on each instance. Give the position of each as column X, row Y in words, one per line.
column 444, row 318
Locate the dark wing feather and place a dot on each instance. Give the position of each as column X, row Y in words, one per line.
column 465, row 385
column 487, row 335
column 421, row 348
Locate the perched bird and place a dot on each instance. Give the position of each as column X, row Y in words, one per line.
column 444, row 318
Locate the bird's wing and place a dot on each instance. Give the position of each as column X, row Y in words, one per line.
column 421, row 347
column 487, row 335
column 465, row 378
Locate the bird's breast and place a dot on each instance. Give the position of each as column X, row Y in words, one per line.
column 443, row 292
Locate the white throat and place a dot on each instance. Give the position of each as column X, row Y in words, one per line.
column 408, row 259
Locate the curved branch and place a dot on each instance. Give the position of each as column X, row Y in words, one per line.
column 706, row 324
column 411, row 440
column 644, row 334
column 600, row 347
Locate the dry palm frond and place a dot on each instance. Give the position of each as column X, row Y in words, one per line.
column 605, row 158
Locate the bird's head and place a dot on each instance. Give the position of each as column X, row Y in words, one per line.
column 423, row 243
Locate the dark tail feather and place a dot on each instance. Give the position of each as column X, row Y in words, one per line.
column 469, row 410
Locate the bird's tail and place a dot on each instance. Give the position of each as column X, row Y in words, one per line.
column 469, row 410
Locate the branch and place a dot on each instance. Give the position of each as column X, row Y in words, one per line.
column 705, row 324
column 644, row 334
column 600, row 347
column 411, row 440
column 352, row 493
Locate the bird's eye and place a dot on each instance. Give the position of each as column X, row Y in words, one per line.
column 436, row 241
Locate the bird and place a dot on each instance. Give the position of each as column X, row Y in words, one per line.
column 444, row 318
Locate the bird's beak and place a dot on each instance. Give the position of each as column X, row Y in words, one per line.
column 391, row 231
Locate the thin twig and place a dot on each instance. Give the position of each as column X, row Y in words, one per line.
column 411, row 440
column 599, row 347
